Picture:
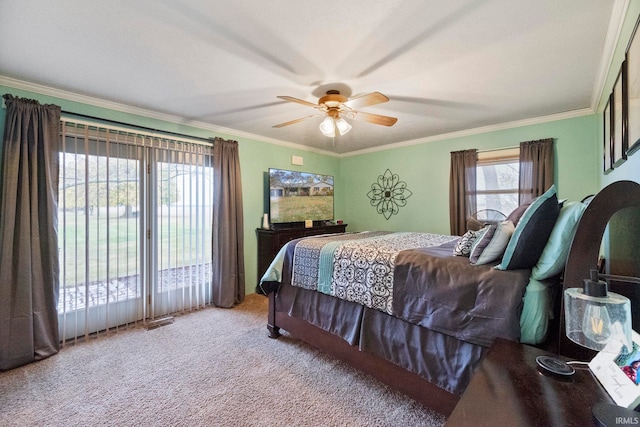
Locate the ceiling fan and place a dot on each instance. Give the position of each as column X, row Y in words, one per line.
column 336, row 107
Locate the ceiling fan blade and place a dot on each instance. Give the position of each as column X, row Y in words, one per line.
column 376, row 119
column 299, row 101
column 292, row 122
column 372, row 98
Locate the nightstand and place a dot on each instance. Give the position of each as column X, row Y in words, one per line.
column 508, row 389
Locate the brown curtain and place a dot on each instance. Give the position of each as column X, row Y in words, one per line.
column 228, row 226
column 536, row 168
column 462, row 189
column 29, row 270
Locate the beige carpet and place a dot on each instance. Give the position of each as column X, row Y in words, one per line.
column 214, row 367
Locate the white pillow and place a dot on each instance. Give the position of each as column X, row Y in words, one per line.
column 491, row 244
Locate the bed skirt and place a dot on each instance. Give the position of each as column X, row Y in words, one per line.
column 438, row 366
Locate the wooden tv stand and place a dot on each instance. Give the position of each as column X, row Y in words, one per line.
column 271, row 240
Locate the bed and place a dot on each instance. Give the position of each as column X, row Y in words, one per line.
column 406, row 310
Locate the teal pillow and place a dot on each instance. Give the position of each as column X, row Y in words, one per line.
column 555, row 253
column 536, row 310
column 532, row 232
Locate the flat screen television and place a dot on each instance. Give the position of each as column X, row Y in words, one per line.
column 299, row 196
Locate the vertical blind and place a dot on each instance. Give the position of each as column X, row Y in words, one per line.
column 134, row 226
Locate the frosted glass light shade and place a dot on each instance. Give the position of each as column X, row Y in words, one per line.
column 601, row 323
column 327, row 127
column 343, row 126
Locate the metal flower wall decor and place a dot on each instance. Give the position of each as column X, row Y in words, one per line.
column 389, row 194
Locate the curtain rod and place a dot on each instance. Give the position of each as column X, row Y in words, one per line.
column 498, row 149
column 148, row 129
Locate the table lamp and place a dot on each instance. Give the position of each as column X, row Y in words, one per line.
column 601, row 320
column 596, row 318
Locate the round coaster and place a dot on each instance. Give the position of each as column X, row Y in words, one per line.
column 555, row 366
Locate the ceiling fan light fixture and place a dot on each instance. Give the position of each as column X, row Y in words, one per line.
column 327, row 126
column 343, row 126
column 338, row 107
column 330, row 134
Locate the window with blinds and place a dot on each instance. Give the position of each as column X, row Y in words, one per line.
column 497, row 174
column 134, row 226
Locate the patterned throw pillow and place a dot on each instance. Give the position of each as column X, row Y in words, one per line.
column 463, row 247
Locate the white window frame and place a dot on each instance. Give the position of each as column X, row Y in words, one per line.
column 495, row 157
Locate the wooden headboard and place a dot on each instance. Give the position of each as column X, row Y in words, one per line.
column 585, row 248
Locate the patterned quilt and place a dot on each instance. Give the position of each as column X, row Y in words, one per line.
column 357, row 267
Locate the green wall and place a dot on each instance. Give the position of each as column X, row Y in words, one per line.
column 255, row 160
column 425, row 169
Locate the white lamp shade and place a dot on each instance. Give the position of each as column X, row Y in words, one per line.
column 598, row 323
column 327, row 127
column 343, row 126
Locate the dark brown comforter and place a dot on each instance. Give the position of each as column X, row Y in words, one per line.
column 445, row 293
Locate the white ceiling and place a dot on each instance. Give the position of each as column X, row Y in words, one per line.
column 447, row 66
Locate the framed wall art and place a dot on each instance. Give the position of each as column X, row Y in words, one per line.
column 618, row 109
column 632, row 98
column 607, row 140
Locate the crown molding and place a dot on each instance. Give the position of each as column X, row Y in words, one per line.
column 476, row 131
column 616, row 22
column 124, row 108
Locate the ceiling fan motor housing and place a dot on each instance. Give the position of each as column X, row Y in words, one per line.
column 332, row 99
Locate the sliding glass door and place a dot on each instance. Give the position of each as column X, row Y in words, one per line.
column 181, row 230
column 134, row 225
